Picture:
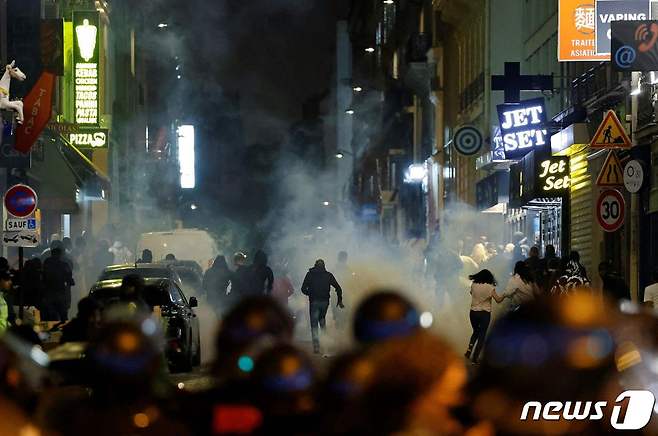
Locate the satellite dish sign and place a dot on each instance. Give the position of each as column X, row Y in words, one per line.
column 20, row 201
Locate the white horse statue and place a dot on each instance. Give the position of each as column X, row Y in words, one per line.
column 11, row 70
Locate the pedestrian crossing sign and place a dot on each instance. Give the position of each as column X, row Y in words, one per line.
column 612, row 173
column 611, row 133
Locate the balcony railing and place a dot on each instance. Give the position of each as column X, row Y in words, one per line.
column 598, row 86
column 473, row 91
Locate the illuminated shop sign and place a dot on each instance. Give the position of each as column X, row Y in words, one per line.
column 608, row 11
column 522, row 127
column 553, row 176
column 538, row 176
column 186, row 159
column 94, row 138
column 577, row 31
column 85, row 67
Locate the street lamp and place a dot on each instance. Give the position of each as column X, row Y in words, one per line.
column 357, row 89
column 326, row 203
column 349, row 111
column 389, row 2
column 193, row 206
column 341, row 153
column 319, row 227
column 416, row 173
column 370, row 49
column 163, row 25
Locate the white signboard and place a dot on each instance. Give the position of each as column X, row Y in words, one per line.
column 633, row 176
column 25, row 238
column 21, row 232
column 19, row 224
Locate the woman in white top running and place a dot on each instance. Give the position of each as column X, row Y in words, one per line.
column 483, row 290
column 521, row 287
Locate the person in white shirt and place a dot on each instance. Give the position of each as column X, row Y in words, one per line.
column 521, row 287
column 651, row 292
column 483, row 290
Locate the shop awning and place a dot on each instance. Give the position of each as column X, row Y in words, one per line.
column 88, row 177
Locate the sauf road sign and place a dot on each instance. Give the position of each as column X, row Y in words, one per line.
column 20, row 217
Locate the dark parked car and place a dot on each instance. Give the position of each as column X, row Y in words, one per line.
column 190, row 273
column 179, row 322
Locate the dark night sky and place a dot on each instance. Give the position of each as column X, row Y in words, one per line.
column 276, row 53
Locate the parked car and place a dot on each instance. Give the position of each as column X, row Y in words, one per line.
column 190, row 273
column 146, row 270
column 179, row 322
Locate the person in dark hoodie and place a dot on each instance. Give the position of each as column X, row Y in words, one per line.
column 261, row 275
column 316, row 286
column 215, row 283
column 240, row 283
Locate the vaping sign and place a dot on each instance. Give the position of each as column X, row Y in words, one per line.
column 609, row 11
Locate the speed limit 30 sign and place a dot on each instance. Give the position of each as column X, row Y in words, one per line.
column 610, row 210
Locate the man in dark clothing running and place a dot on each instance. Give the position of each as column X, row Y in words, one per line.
column 316, row 286
column 58, row 279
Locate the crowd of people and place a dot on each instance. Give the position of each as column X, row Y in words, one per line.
column 556, row 339
column 224, row 286
column 53, row 279
column 533, row 279
column 399, row 377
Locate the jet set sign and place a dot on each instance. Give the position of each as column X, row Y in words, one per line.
column 522, row 127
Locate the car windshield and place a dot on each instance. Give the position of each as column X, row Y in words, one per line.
column 189, row 278
column 146, row 273
column 152, row 295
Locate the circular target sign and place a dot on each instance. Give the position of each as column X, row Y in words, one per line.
column 610, row 210
column 468, row 140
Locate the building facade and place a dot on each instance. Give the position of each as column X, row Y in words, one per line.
column 428, row 68
column 96, row 148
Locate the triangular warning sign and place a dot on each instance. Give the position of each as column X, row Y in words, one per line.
column 611, row 173
column 610, row 133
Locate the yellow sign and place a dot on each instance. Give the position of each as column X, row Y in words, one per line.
column 577, row 31
column 554, row 174
column 610, row 133
column 612, row 173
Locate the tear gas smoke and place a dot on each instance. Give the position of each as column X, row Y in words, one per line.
column 420, row 271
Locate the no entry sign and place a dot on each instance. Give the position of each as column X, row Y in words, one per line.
column 610, row 210
column 20, row 201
